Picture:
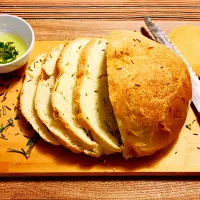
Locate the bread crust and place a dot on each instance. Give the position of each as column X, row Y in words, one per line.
column 150, row 91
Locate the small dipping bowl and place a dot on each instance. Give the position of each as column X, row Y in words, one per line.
column 18, row 26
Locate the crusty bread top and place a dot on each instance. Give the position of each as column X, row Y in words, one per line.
column 32, row 75
column 150, row 89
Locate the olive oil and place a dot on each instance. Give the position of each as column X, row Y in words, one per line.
column 15, row 41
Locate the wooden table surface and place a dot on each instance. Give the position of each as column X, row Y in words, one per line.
column 51, row 19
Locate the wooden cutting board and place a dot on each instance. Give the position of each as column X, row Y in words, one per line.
column 181, row 157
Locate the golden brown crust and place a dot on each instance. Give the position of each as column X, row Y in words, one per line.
column 150, row 90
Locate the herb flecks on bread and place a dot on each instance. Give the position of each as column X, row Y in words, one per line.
column 62, row 97
column 27, row 105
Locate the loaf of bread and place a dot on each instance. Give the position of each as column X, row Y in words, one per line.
column 121, row 93
column 91, row 99
column 28, row 91
column 150, row 90
column 62, row 97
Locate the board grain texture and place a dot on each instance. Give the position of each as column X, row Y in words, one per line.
column 58, row 19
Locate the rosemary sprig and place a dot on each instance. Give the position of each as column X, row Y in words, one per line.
column 30, row 144
column 10, row 123
column 18, row 151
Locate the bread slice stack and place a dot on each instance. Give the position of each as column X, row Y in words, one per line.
column 107, row 95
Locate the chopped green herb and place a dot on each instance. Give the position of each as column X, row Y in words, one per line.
column 8, row 52
column 188, row 126
column 29, row 68
column 193, row 121
column 18, row 97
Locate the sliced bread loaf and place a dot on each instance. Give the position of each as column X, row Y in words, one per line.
column 32, row 75
column 43, row 101
column 62, row 96
column 92, row 105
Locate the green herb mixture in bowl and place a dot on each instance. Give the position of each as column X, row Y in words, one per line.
column 16, row 42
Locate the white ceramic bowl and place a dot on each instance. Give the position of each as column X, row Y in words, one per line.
column 23, row 29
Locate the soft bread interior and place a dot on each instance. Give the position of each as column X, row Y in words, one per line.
column 91, row 99
column 62, row 96
column 32, row 75
column 43, row 101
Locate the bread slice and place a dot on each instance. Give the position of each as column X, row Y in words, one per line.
column 62, row 96
column 43, row 101
column 150, row 91
column 92, row 105
column 32, row 75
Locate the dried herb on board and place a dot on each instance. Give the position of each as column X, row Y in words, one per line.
column 4, row 97
column 9, row 123
column 2, row 136
column 4, row 110
column 18, row 151
column 8, row 108
column 30, row 144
